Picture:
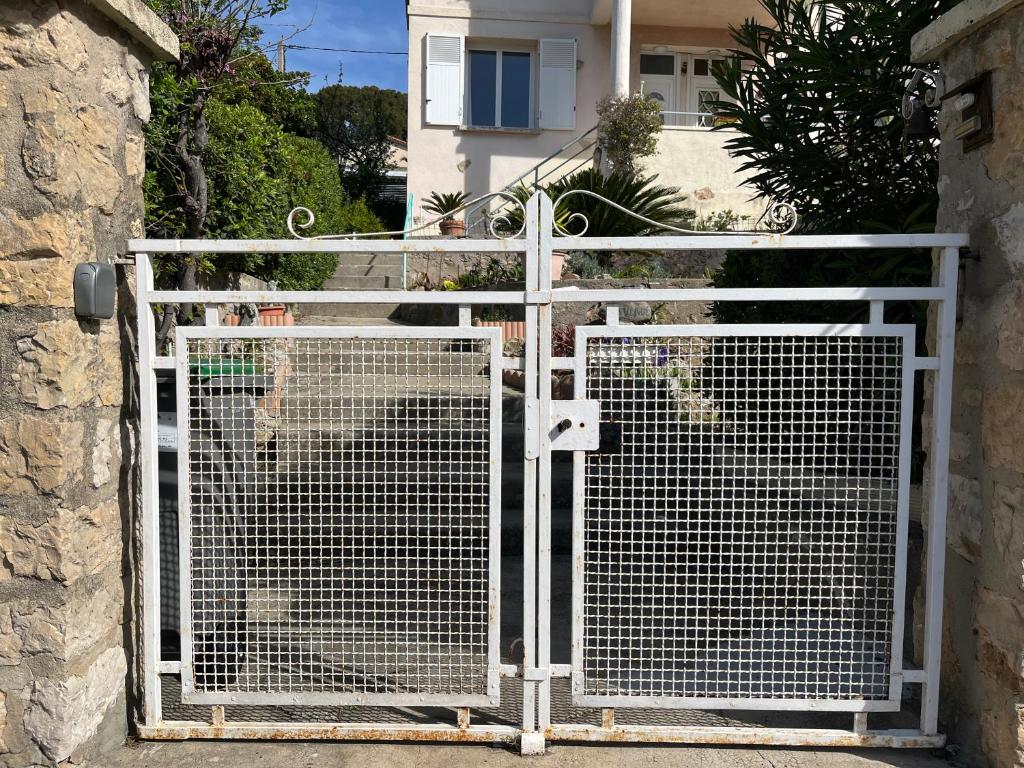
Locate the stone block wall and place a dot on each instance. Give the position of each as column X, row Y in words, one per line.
column 73, row 101
column 982, row 192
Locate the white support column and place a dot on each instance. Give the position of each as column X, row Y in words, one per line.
column 622, row 22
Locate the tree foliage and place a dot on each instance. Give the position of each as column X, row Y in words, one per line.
column 817, row 123
column 281, row 96
column 356, row 124
column 214, row 36
column 230, row 151
column 256, row 174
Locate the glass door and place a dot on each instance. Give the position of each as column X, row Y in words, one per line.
column 658, row 73
column 703, row 90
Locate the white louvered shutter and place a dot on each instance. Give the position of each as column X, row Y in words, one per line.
column 558, row 84
column 445, row 79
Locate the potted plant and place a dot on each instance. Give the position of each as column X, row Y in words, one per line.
column 446, row 204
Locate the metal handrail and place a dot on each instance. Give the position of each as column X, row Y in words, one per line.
column 700, row 119
column 535, row 171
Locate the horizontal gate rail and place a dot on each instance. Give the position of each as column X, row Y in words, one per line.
column 327, row 246
column 620, row 295
column 336, row 297
column 538, row 299
column 757, row 242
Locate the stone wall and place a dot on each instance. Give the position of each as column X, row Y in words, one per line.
column 982, row 192
column 73, row 100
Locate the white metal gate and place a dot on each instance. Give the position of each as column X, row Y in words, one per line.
column 740, row 506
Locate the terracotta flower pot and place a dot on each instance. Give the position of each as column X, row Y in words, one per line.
column 453, row 228
column 509, row 329
column 514, row 379
column 272, row 310
column 284, row 319
column 558, row 263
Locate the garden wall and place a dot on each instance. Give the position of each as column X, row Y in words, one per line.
column 73, row 100
column 982, row 192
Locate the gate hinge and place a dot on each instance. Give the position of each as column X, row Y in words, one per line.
column 575, row 425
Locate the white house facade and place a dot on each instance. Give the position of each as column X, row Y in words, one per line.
column 501, row 92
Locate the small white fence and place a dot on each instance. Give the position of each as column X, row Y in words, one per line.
column 740, row 508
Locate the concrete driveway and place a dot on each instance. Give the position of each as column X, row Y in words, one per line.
column 324, row 755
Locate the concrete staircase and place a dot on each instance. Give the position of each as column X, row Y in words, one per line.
column 359, row 272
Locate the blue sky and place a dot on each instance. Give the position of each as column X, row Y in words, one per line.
column 359, row 24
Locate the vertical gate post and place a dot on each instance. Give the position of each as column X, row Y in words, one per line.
column 547, row 217
column 150, row 492
column 938, row 491
column 529, row 739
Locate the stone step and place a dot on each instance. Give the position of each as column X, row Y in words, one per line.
column 349, row 322
column 443, row 360
column 326, row 314
column 365, row 283
column 373, row 259
column 366, row 270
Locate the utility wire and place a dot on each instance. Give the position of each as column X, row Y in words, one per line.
column 345, row 50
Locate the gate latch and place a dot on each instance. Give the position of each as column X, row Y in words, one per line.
column 575, row 425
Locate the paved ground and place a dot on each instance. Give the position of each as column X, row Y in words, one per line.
column 322, row 755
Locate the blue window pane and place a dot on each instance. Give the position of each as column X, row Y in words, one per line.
column 483, row 73
column 515, row 90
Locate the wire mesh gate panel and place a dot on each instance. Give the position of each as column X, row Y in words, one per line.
column 740, row 534
column 340, row 515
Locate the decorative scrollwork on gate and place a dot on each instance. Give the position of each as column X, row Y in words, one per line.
column 780, row 218
column 499, row 225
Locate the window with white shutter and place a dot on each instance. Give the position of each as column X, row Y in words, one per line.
column 446, row 79
column 558, row 84
column 500, row 87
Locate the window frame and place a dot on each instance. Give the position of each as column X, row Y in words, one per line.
column 500, row 51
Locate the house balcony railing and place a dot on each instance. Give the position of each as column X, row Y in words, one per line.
column 674, row 119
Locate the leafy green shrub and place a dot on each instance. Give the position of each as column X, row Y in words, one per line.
column 495, row 272
column 649, row 269
column 310, row 178
column 721, row 221
column 256, row 174
column 816, row 121
column 242, row 163
column 640, row 194
column 586, row 264
column 628, row 128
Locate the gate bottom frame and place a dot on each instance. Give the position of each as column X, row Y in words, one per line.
column 534, row 742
